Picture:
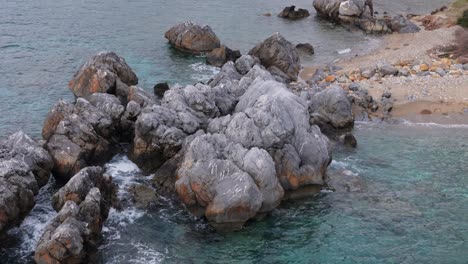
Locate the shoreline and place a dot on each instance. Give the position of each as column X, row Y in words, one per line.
column 415, row 98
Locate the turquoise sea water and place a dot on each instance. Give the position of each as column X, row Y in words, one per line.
column 412, row 210
column 43, row 42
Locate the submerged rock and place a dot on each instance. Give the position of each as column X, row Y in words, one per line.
column 345, row 181
column 143, row 196
column 278, row 52
column 192, row 38
column 24, row 168
column 290, row 12
column 101, row 74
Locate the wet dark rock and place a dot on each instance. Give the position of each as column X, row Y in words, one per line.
column 290, row 12
column 160, row 89
column 100, row 74
column 277, row 51
column 24, row 168
column 143, row 196
column 218, row 57
column 193, row 38
column 349, row 140
column 345, row 181
column 305, row 48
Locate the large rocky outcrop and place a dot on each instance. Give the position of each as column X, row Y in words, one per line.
column 240, row 169
column 89, row 131
column 277, row 52
column 193, row 38
column 101, row 74
column 331, row 110
column 354, row 12
column 83, row 206
column 24, row 168
column 161, row 129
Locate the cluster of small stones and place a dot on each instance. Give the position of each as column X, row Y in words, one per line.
column 405, row 71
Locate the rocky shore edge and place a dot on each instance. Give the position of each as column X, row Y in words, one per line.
column 230, row 150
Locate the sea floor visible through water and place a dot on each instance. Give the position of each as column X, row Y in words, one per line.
column 412, row 209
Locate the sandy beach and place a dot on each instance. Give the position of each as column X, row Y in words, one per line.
column 427, row 97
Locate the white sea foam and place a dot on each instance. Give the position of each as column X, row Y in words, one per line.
column 203, row 72
column 431, row 124
column 31, row 229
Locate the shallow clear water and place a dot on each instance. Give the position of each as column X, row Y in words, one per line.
column 43, row 42
column 413, row 209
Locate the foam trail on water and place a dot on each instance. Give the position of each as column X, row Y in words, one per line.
column 203, row 72
column 30, row 230
column 123, row 172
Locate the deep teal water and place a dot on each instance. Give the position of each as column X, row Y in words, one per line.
column 43, row 42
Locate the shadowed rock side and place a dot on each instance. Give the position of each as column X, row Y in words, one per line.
column 276, row 53
column 24, row 168
column 218, row 57
column 83, row 205
column 101, row 74
column 192, row 38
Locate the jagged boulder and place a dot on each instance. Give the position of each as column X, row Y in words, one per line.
column 193, row 38
column 79, row 185
column 331, row 110
column 161, row 129
column 82, row 134
column 24, row 168
column 241, row 168
column 101, row 74
column 278, row 52
column 83, row 205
